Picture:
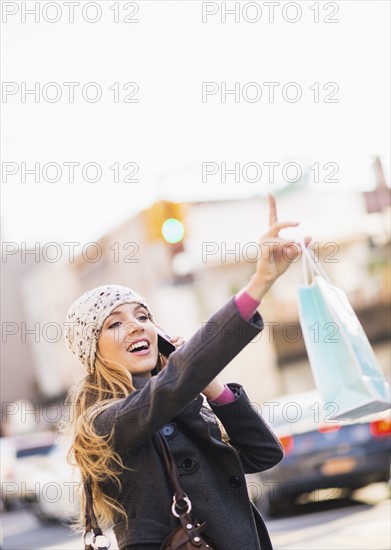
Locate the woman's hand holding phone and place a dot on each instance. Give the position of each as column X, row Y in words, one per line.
column 178, row 341
column 167, row 344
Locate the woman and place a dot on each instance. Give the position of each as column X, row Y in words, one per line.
column 131, row 391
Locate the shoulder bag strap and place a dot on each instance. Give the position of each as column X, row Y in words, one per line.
column 92, row 528
column 181, row 502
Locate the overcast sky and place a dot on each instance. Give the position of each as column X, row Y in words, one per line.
column 331, row 105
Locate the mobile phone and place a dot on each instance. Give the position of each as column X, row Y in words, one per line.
column 163, row 342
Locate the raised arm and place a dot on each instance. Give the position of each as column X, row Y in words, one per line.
column 193, row 367
column 276, row 255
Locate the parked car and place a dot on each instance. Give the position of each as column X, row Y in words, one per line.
column 321, row 453
column 17, row 457
column 56, row 482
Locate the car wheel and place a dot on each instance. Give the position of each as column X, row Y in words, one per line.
column 46, row 521
column 271, row 506
column 41, row 517
column 278, row 505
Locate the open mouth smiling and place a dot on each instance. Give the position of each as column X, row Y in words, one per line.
column 140, row 345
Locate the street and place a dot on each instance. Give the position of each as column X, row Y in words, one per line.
column 359, row 523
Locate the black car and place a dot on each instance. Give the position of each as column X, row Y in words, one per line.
column 322, row 453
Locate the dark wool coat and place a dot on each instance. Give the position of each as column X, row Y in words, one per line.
column 211, row 472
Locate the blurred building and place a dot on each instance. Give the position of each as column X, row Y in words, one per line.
column 186, row 277
column 18, row 378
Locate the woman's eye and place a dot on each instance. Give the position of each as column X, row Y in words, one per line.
column 114, row 324
column 142, row 317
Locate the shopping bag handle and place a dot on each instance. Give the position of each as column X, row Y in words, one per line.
column 312, row 263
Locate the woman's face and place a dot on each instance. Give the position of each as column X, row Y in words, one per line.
column 129, row 337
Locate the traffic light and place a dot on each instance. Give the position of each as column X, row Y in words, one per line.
column 164, row 221
column 173, row 230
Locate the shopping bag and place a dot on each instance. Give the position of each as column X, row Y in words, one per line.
column 343, row 363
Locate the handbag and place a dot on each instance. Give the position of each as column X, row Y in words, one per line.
column 346, row 372
column 189, row 534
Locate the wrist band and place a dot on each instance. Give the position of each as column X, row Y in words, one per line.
column 246, row 305
column 226, row 396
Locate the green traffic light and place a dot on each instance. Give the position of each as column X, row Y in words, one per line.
column 173, row 230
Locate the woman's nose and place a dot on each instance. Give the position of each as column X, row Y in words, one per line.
column 133, row 327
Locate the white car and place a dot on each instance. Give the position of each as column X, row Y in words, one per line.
column 56, row 483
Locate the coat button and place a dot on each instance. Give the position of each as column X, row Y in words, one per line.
column 235, row 481
column 188, row 464
column 168, row 430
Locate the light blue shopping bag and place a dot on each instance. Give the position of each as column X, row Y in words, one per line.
column 343, row 363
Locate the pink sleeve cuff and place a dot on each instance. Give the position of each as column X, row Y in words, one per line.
column 246, row 305
column 226, row 396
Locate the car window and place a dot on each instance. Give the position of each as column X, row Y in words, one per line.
column 42, row 450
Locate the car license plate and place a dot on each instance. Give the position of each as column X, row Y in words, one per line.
column 338, row 466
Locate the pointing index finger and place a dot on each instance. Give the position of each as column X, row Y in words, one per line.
column 272, row 210
column 274, row 230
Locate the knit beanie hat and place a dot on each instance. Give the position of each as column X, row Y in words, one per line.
column 86, row 316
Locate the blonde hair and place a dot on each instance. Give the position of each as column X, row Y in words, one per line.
column 91, row 453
